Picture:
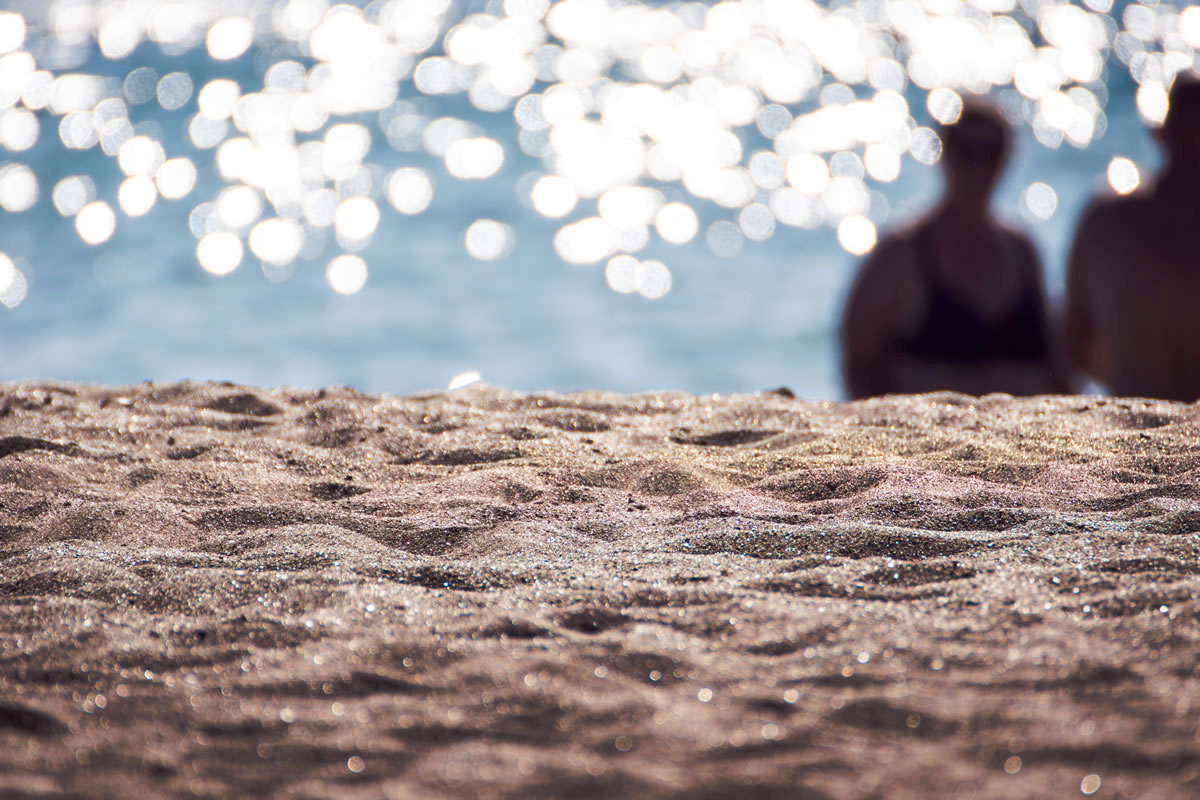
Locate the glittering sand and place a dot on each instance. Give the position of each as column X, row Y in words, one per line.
column 218, row 591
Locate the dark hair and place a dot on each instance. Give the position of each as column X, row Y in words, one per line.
column 979, row 134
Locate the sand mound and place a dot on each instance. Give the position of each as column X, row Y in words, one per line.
column 219, row 591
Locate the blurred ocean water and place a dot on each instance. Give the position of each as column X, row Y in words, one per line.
column 568, row 195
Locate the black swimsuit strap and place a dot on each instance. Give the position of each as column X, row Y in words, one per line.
column 954, row 331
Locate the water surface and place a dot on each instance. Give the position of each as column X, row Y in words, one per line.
column 580, row 194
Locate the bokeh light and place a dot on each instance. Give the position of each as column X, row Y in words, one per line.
column 586, row 241
column 553, row 196
column 409, row 190
column 220, row 253
column 488, row 240
column 18, row 188
column 229, row 38
column 8, row 270
column 945, row 105
column 1152, row 102
column 137, row 195
column 677, row 223
column 320, row 207
column 1040, row 200
column 139, row 85
column 14, row 286
column 757, row 222
column 239, row 206
column 346, row 274
column 356, row 219
column 19, row 129
column 12, row 31
column 96, row 223
column 73, row 193
column 176, row 178
column 653, row 279
column 277, row 241
column 218, row 99
column 1123, row 175
column 174, row 91
column 856, row 235
column 631, row 120
column 141, row 155
column 474, row 158
column 621, row 274
column 725, row 239
column 808, row 172
column 926, row 146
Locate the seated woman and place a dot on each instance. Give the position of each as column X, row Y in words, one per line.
column 956, row 302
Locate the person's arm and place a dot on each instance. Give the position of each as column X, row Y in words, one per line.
column 882, row 294
column 1080, row 341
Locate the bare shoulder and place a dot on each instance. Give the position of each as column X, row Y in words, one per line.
column 1104, row 212
column 893, row 257
column 1021, row 241
column 886, row 277
column 1108, row 228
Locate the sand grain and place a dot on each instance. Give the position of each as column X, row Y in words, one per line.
column 220, row 591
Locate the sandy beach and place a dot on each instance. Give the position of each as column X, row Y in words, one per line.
column 209, row 590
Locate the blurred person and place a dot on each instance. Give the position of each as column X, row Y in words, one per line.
column 955, row 302
column 1133, row 278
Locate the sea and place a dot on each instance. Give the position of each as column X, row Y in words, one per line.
column 405, row 196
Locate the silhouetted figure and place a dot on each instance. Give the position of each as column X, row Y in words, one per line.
column 956, row 301
column 1133, row 282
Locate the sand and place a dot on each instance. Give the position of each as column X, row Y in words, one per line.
column 218, row 591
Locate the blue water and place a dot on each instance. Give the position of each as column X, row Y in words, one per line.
column 140, row 308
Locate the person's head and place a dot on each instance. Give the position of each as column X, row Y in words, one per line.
column 1180, row 131
column 974, row 150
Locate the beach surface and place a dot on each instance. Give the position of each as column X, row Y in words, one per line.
column 210, row 590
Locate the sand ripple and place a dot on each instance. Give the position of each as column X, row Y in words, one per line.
column 220, row 591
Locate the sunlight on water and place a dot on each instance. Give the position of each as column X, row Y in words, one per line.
column 621, row 273
column 553, row 196
column 653, row 279
column 856, row 234
column 73, row 193
column 229, row 38
column 488, row 240
column 8, row 272
column 626, row 275
column 1123, row 175
column 355, row 221
column 13, row 284
column 137, row 195
column 587, row 241
column 18, row 188
column 677, row 223
column 239, row 206
column 347, row 274
column 1040, row 200
column 721, row 122
column 220, row 253
column 277, row 241
column 945, row 105
column 409, row 190
column 96, row 222
column 176, row 178
column 474, row 158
